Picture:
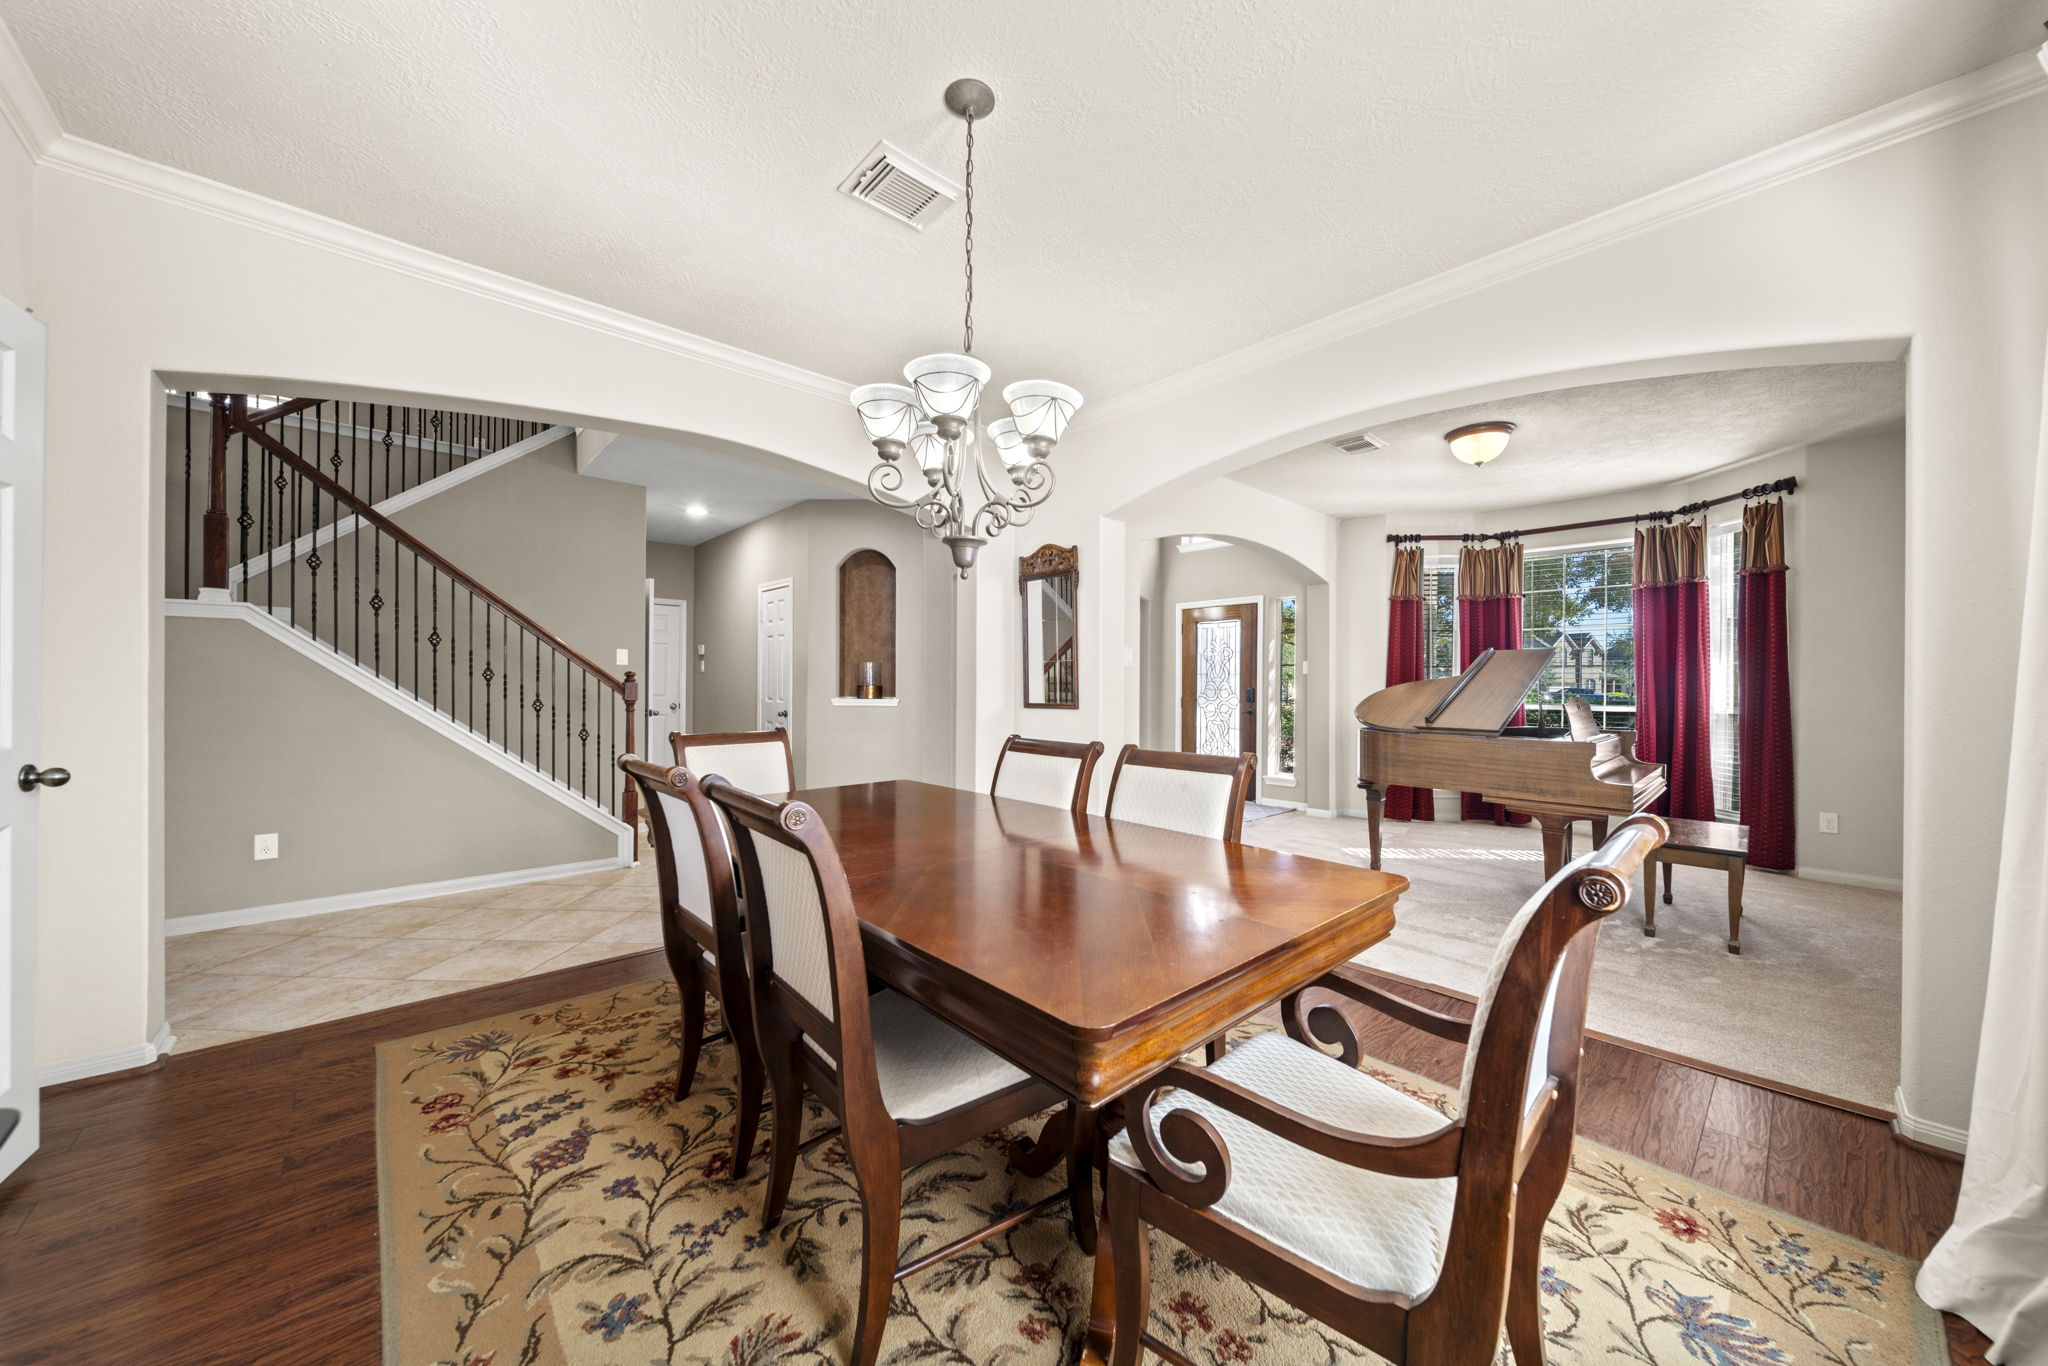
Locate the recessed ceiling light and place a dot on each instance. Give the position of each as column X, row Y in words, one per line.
column 698, row 510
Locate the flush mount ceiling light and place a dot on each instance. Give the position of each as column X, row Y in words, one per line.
column 1479, row 442
column 979, row 481
column 697, row 510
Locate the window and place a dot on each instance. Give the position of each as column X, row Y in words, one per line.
column 1724, row 554
column 1577, row 604
column 1439, row 618
column 1283, row 691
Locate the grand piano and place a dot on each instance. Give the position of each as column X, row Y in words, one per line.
column 1453, row 733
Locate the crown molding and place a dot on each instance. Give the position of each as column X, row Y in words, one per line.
column 121, row 170
column 23, row 106
column 1925, row 111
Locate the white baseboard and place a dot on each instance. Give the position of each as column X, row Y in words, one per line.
column 1907, row 1125
column 1882, row 884
column 355, row 901
column 99, row 1064
column 1320, row 812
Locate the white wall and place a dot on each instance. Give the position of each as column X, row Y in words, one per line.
column 17, row 220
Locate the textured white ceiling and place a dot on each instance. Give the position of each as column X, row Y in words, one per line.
column 1599, row 438
column 1163, row 181
column 733, row 490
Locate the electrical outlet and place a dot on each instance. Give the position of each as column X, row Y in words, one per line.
column 624, row 659
column 1830, row 823
column 702, row 667
column 266, row 846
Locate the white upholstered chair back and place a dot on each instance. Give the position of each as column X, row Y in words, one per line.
column 758, row 766
column 1158, row 790
column 1538, row 1073
column 687, row 855
column 1048, row 779
column 799, row 937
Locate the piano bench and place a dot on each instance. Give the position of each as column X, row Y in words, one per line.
column 1700, row 844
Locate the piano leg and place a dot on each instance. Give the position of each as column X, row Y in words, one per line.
column 1557, row 841
column 1375, row 801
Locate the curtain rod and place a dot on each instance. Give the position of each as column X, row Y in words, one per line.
column 1789, row 484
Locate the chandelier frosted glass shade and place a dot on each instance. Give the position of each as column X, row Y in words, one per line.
column 888, row 411
column 947, row 385
column 1041, row 407
column 929, row 447
column 1010, row 447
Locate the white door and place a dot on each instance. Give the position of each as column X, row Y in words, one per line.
column 775, row 668
column 667, row 675
column 21, row 664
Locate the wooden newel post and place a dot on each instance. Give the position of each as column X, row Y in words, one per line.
column 214, row 569
column 629, row 801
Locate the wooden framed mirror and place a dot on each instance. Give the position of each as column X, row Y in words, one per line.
column 1049, row 578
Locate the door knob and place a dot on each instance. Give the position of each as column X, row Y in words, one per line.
column 30, row 776
column 783, row 714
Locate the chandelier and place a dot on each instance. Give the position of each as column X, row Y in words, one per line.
column 970, row 496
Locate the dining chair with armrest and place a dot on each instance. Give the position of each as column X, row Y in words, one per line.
column 905, row 1085
column 701, row 930
column 1049, row 772
column 1411, row 1234
column 1196, row 794
column 759, row 761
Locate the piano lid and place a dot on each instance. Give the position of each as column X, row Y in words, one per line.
column 1477, row 702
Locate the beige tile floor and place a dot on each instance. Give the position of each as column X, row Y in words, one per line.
column 223, row 985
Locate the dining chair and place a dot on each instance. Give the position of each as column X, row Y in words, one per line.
column 1048, row 772
column 906, row 1085
column 1196, row 794
column 1412, row 1234
column 756, row 760
column 702, row 931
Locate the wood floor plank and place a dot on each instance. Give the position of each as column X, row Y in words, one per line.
column 1732, row 1164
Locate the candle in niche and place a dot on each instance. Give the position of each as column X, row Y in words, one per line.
column 868, row 686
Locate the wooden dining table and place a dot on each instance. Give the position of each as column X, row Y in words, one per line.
column 1088, row 952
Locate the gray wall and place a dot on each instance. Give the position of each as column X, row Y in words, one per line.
column 806, row 544
column 673, row 569
column 1241, row 571
column 361, row 796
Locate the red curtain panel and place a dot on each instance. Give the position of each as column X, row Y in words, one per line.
column 1489, row 618
column 1764, row 729
column 1407, row 663
column 1672, row 726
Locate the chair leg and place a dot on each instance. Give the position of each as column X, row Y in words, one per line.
column 1133, row 1267
column 1542, row 1180
column 752, row 1082
column 785, row 1116
column 881, row 1202
column 690, row 980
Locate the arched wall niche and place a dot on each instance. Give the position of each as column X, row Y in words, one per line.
column 867, row 623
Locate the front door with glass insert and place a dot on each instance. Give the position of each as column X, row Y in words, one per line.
column 1219, row 679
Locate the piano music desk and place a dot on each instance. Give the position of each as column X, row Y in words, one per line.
column 1699, row 844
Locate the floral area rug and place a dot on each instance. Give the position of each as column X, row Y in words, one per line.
column 547, row 1202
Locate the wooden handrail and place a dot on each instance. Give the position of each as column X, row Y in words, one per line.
column 284, row 409
column 239, row 421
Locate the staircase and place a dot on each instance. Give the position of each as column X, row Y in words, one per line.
column 298, row 532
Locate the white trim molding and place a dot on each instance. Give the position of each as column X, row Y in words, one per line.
column 397, row 502
column 383, row 896
column 388, row 692
column 1926, row 111
column 119, row 1060
column 1907, row 1125
column 865, row 701
column 1882, row 884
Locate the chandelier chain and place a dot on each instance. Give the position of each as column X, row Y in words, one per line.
column 967, row 343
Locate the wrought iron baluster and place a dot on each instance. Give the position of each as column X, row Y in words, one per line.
column 487, row 670
column 434, row 635
column 356, row 590
column 313, row 554
column 387, row 450
column 188, row 493
column 583, row 735
column 334, row 540
column 536, row 701
column 469, row 639
column 415, row 624
column 377, row 601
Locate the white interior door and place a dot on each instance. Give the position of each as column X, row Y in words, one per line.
column 775, row 666
column 667, row 674
column 21, row 665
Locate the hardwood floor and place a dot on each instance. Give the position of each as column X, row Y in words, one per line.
column 221, row 1207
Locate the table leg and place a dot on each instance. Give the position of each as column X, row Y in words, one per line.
column 1081, row 1168
column 1650, row 897
column 1375, row 802
column 1101, row 1338
column 1557, row 841
column 1735, row 867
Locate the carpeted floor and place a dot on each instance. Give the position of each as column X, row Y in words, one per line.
column 1812, row 1000
column 545, row 1201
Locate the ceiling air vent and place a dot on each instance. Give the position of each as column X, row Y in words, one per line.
column 899, row 187
column 1355, row 442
